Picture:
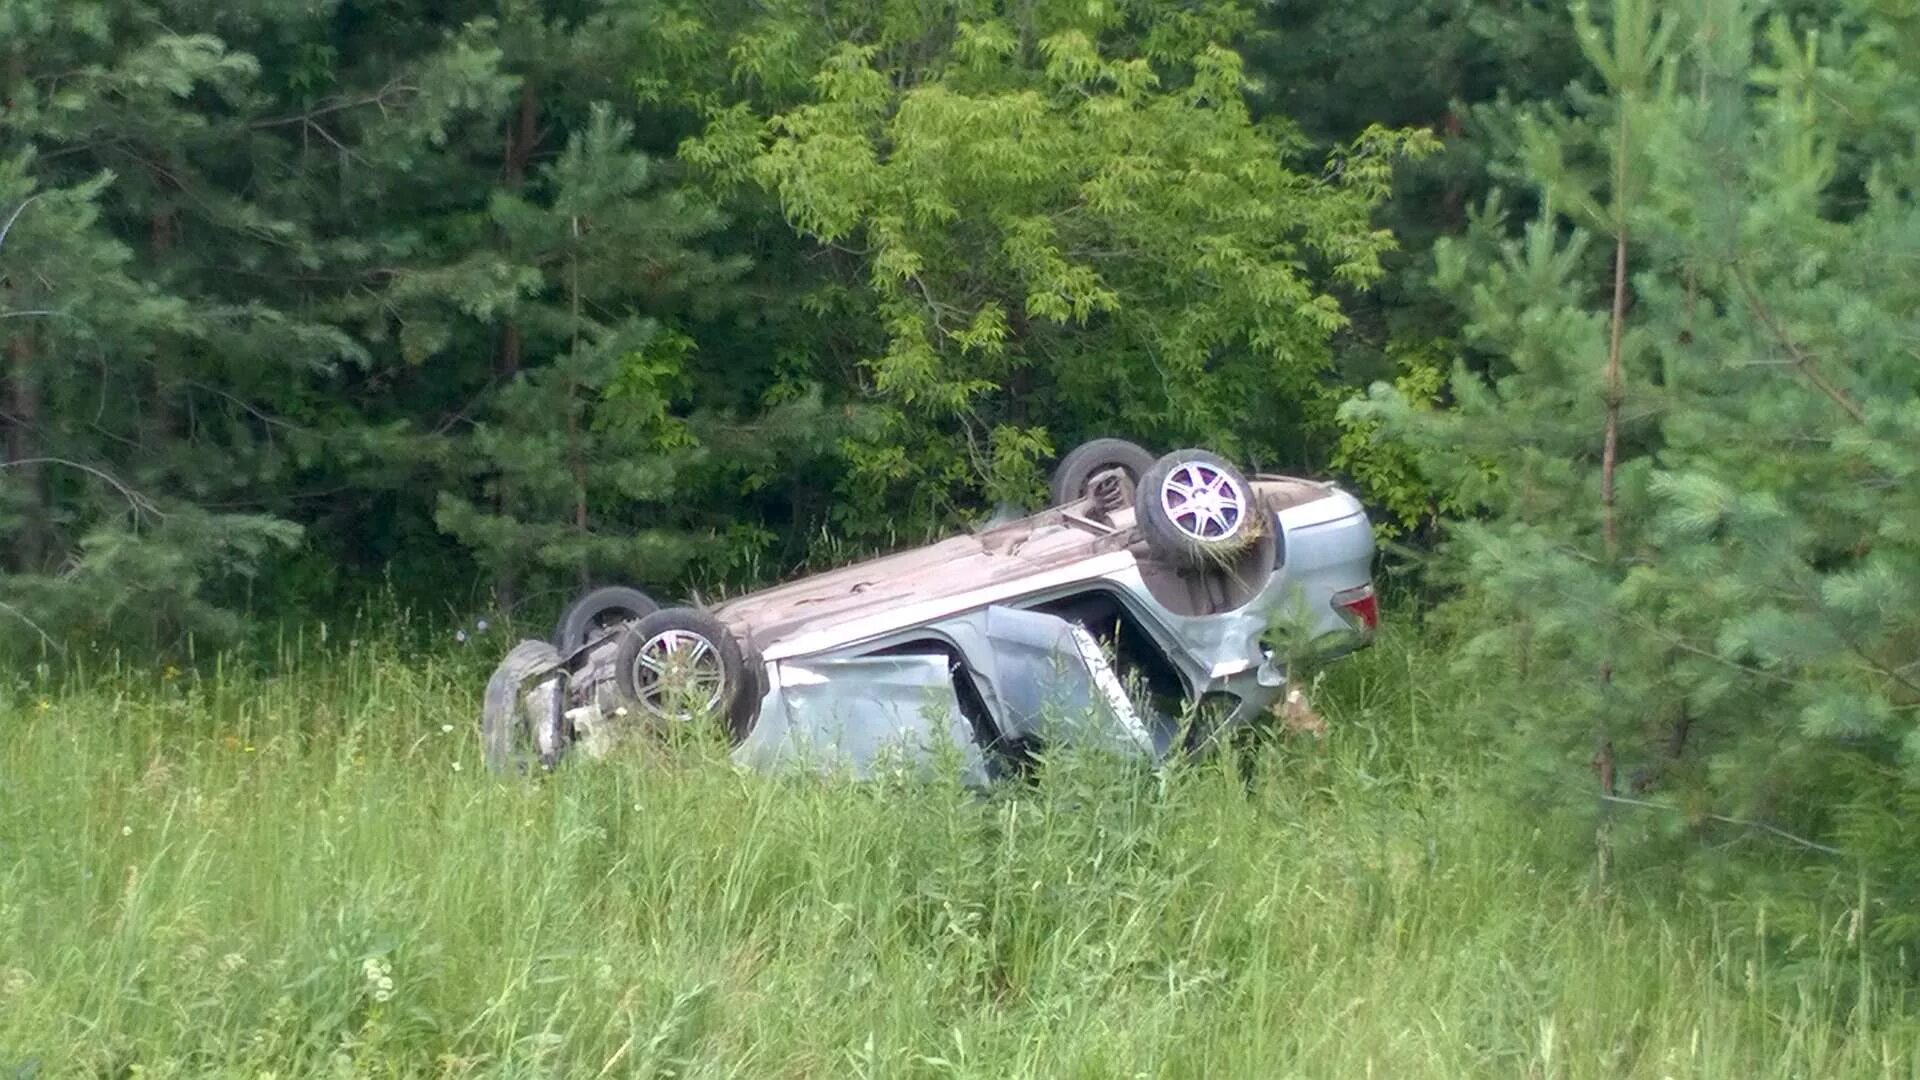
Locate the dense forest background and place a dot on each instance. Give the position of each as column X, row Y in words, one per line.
column 1611, row 312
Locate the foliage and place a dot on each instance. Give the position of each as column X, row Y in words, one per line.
column 1402, row 499
column 1742, row 651
column 1065, row 224
column 273, row 280
column 476, row 302
column 115, row 491
column 425, row 290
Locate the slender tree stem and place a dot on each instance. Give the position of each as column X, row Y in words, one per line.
column 1610, row 445
column 521, row 135
column 576, row 454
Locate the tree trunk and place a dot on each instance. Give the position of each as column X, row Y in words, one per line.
column 522, row 134
column 13, row 76
column 22, row 393
column 1609, row 460
column 1453, row 198
column 163, row 422
column 576, row 452
column 1610, row 445
column 577, row 461
column 23, row 473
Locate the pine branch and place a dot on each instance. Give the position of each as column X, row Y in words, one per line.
column 328, row 108
column 34, row 626
column 141, row 505
column 15, row 216
column 1802, row 360
column 1761, row 825
column 1600, row 611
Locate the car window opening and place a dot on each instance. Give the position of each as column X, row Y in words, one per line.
column 1137, row 659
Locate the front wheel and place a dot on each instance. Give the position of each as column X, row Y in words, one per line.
column 682, row 664
column 521, row 716
column 1074, row 478
column 599, row 612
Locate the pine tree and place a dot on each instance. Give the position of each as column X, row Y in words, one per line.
column 571, row 449
column 111, row 473
column 273, row 273
column 590, row 384
column 1694, row 448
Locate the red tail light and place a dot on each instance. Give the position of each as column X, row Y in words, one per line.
column 1360, row 607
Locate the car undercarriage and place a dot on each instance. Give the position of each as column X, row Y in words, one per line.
column 1158, row 603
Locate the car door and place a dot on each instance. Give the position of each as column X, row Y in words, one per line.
column 1048, row 681
column 865, row 715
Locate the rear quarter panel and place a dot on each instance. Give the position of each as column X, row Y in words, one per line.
column 1328, row 547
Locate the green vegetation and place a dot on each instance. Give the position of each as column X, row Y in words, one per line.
column 1606, row 309
column 1701, row 475
column 309, row 874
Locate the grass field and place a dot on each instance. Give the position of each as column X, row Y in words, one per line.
column 310, row 875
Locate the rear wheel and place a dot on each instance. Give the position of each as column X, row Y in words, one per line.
column 682, row 664
column 598, row 613
column 1197, row 509
column 1073, row 479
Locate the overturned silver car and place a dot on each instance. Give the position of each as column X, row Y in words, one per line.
column 1143, row 611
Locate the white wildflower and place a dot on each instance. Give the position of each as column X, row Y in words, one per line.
column 126, row 830
column 456, row 766
column 446, row 729
column 379, row 977
column 14, row 982
column 232, row 962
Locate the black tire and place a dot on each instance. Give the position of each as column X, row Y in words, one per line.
column 718, row 682
column 746, row 704
column 507, row 738
column 1083, row 462
column 600, row 612
column 1212, row 534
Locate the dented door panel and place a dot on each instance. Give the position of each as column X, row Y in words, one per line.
column 863, row 715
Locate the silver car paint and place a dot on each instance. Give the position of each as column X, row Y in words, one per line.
column 831, row 703
column 1328, row 546
column 863, row 715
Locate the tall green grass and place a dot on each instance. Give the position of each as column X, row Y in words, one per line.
column 310, row 874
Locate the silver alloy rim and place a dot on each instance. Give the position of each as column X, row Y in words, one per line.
column 1203, row 501
column 677, row 668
